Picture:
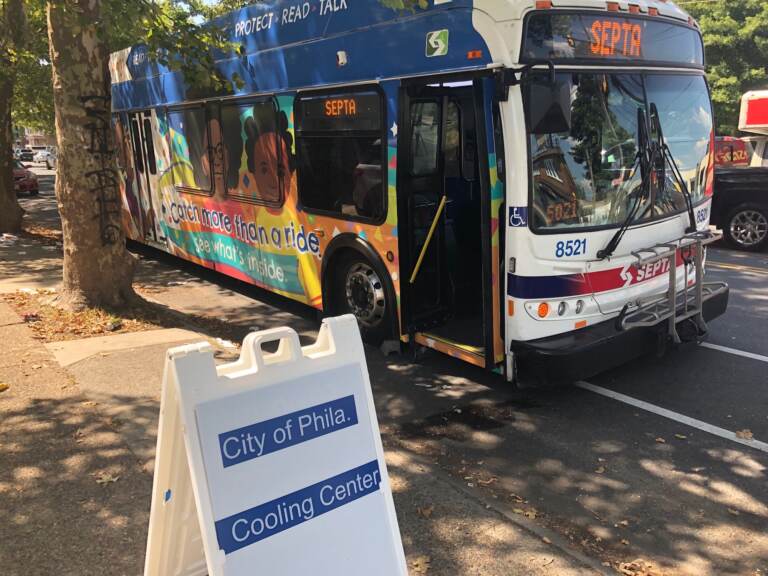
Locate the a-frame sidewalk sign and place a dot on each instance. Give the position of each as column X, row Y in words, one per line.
column 272, row 464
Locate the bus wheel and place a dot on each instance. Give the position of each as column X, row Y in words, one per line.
column 746, row 227
column 360, row 290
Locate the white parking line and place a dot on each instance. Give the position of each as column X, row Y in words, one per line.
column 687, row 420
column 735, row 352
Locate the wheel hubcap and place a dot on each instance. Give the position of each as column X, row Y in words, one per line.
column 365, row 294
column 749, row 227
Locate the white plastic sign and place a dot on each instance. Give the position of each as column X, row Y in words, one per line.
column 272, row 464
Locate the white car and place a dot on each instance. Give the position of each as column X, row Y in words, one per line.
column 41, row 156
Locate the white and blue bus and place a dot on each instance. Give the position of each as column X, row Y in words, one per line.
column 522, row 184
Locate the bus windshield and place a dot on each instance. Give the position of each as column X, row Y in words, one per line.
column 589, row 176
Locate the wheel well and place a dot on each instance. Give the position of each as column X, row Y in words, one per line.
column 347, row 244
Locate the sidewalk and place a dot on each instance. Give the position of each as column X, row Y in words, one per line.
column 77, row 443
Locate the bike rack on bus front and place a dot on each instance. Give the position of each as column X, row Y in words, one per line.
column 674, row 306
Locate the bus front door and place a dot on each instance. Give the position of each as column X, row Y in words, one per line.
column 440, row 218
column 145, row 168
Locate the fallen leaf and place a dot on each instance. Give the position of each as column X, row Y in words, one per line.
column 661, row 440
column 745, row 434
column 105, row 478
column 420, row 564
column 681, row 436
column 487, row 482
column 531, row 514
column 546, row 540
column 734, row 512
column 600, row 470
column 625, row 541
column 519, row 511
column 426, row 511
column 623, row 523
column 36, row 366
column 3, row 386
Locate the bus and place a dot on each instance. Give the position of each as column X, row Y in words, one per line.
column 524, row 185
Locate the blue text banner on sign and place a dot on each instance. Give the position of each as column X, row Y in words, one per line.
column 248, row 527
column 271, row 435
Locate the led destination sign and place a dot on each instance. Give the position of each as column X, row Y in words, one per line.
column 569, row 37
column 356, row 111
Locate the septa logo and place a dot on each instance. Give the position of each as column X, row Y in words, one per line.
column 651, row 270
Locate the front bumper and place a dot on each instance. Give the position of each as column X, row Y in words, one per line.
column 581, row 354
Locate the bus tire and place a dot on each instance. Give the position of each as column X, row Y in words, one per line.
column 358, row 288
column 746, row 227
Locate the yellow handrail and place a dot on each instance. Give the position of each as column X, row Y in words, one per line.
column 429, row 239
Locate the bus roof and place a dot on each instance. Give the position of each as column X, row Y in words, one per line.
column 292, row 44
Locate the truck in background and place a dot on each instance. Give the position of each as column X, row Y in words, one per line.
column 740, row 204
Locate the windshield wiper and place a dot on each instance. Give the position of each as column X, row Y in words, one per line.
column 645, row 160
column 667, row 157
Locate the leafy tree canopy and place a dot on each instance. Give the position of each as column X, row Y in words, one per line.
column 736, row 43
column 165, row 26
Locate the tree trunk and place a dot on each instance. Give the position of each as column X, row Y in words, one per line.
column 98, row 270
column 11, row 38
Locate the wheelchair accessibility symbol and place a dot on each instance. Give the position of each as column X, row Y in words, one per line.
column 518, row 216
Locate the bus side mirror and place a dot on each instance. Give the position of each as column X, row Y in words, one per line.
column 549, row 107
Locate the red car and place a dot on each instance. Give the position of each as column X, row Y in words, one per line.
column 24, row 180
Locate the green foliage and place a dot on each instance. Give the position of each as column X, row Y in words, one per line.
column 736, row 43
column 33, row 93
column 166, row 26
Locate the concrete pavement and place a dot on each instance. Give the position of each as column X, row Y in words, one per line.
column 598, row 475
column 78, row 426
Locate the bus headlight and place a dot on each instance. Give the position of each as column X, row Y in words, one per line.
column 562, row 308
column 579, row 306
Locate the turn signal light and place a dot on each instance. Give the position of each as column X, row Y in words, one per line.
column 543, row 310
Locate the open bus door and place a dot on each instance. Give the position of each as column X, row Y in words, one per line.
column 444, row 215
column 145, row 169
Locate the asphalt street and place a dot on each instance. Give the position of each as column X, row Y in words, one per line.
column 664, row 458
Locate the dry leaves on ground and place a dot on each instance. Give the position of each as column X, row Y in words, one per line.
column 745, row 434
column 105, row 478
column 639, row 567
column 53, row 324
column 426, row 511
column 420, row 565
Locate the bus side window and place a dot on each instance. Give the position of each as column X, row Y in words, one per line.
column 136, row 142
column 257, row 151
column 190, row 149
column 341, row 147
column 425, row 123
column 150, row 147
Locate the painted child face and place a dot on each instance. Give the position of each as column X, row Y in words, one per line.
column 271, row 171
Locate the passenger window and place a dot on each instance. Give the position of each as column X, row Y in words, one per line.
column 452, row 141
column 151, row 162
column 136, row 141
column 190, row 149
column 257, row 151
column 425, row 130
column 341, row 151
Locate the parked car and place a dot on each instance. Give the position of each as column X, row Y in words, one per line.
column 26, row 155
column 41, row 156
column 24, row 179
column 740, row 204
column 52, row 160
